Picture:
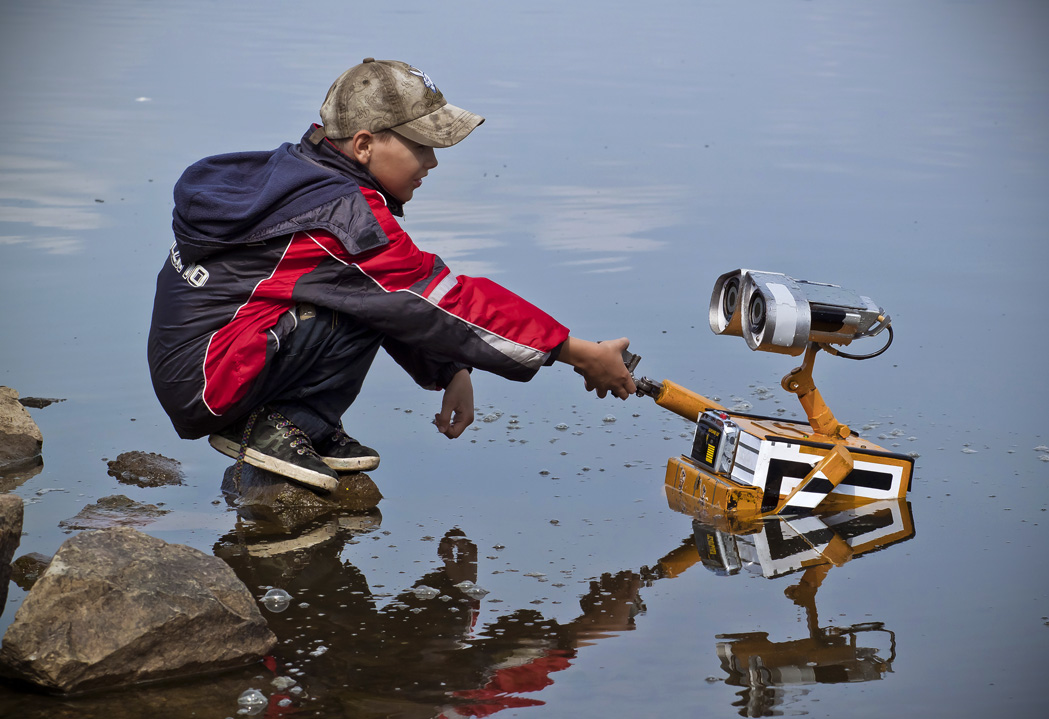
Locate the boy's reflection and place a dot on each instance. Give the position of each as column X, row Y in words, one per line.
column 415, row 655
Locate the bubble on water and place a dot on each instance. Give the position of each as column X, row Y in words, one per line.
column 1041, row 448
column 609, row 419
column 544, row 472
column 537, row 575
column 318, row 651
column 561, row 427
column 283, row 683
column 741, row 406
column 424, row 592
column 969, row 450
column 285, row 702
column 1044, row 457
column 276, row 600
column 492, row 417
column 475, row 592
column 464, row 585
column 252, row 700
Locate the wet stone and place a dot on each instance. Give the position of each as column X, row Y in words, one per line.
column 113, row 511
column 39, row 402
column 11, row 511
column 266, row 497
column 131, row 608
column 20, row 438
column 146, row 469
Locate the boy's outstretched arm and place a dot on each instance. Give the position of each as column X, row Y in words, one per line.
column 457, row 407
column 601, row 364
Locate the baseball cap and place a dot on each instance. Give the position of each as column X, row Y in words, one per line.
column 392, row 95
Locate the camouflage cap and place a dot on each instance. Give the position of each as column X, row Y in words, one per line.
column 390, row 95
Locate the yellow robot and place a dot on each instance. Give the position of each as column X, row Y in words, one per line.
column 751, row 466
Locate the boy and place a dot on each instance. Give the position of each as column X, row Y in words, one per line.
column 289, row 271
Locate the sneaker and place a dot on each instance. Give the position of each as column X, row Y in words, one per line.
column 268, row 440
column 342, row 452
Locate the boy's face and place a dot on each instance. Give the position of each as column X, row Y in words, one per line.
column 398, row 163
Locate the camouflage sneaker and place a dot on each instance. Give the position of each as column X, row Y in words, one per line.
column 345, row 454
column 268, row 440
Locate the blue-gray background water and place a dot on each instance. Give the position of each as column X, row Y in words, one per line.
column 631, row 154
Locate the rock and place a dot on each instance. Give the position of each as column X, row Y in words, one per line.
column 117, row 607
column 39, row 402
column 114, row 511
column 20, row 438
column 263, row 496
column 146, row 469
column 27, row 569
column 10, row 537
column 10, row 526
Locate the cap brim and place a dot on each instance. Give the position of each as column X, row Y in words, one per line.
column 441, row 128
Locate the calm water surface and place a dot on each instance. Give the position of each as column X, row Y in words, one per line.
column 630, row 156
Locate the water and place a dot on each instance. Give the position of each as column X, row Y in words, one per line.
column 630, row 156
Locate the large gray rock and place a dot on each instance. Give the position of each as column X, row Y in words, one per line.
column 20, row 438
column 10, row 536
column 116, row 607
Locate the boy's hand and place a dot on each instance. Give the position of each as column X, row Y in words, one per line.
column 457, row 407
column 601, row 364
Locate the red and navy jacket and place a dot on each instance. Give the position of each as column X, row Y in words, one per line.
column 256, row 233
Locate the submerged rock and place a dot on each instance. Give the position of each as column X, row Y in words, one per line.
column 39, row 402
column 27, row 569
column 146, row 469
column 10, row 536
column 114, row 511
column 116, row 607
column 20, row 438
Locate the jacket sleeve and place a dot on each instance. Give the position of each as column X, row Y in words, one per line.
column 430, row 371
column 413, row 298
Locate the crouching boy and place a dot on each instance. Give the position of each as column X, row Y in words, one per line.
column 289, row 270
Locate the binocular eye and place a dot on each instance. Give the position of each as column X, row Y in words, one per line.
column 776, row 313
column 758, row 312
column 730, row 298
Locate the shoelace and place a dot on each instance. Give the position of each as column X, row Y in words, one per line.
column 341, row 438
column 244, row 437
column 299, row 439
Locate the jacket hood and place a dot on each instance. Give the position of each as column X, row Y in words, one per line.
column 243, row 197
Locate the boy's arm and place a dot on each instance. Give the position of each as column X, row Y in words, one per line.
column 601, row 364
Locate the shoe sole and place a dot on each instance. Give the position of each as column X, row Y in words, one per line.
column 291, row 471
column 351, row 464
